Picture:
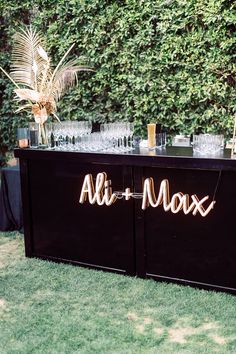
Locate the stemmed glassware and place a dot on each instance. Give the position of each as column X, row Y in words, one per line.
column 118, row 136
column 77, row 136
column 129, row 136
column 82, row 129
column 57, row 132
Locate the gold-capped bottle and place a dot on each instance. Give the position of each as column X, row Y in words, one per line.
column 151, row 128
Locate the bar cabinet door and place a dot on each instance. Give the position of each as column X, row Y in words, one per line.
column 188, row 248
column 63, row 229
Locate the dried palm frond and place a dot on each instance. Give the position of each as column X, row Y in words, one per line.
column 26, row 106
column 27, row 94
column 66, row 77
column 31, row 68
column 26, row 61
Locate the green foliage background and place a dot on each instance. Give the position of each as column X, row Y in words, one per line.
column 167, row 61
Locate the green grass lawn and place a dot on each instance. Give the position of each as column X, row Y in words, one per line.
column 55, row 308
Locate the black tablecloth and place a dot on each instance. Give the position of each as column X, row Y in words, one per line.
column 10, row 200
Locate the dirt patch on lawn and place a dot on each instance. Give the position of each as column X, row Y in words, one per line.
column 132, row 316
column 181, row 334
column 2, row 304
column 7, row 250
column 217, row 339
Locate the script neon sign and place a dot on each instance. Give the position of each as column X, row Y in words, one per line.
column 102, row 194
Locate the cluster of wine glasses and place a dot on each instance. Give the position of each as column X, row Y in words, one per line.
column 118, row 135
column 78, row 136
column 67, row 134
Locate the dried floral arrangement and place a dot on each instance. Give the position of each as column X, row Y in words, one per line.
column 36, row 80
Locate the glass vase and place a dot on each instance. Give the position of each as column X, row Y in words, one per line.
column 43, row 141
column 38, row 135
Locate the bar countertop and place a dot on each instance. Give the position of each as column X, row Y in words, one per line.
column 169, row 157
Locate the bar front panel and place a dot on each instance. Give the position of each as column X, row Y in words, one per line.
column 187, row 247
column 62, row 228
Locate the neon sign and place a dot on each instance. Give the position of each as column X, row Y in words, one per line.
column 102, row 194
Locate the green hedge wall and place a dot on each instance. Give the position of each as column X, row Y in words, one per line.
column 167, row 61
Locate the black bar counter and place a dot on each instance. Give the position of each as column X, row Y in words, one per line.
column 172, row 240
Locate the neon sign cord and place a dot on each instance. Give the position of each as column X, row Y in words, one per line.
column 217, row 185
